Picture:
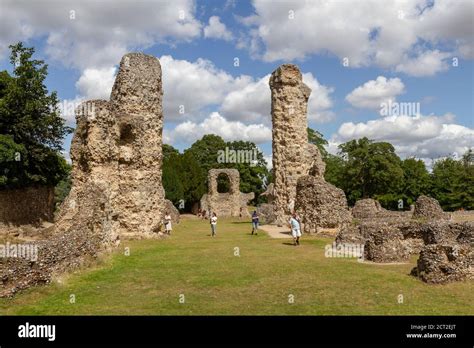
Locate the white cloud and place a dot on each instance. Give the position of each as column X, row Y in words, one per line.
column 217, row 30
column 253, row 101
column 199, row 85
column 188, row 132
column 96, row 83
column 249, row 103
column 95, row 34
column 195, row 85
column 384, row 38
column 426, row 64
column 374, row 92
column 420, row 136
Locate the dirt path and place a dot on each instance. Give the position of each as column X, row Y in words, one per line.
column 276, row 232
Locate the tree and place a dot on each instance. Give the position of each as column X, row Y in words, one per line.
column 251, row 174
column 205, row 151
column 30, row 116
column 334, row 172
column 316, row 138
column 453, row 182
column 416, row 180
column 371, row 169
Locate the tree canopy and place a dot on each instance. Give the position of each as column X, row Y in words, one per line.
column 185, row 175
column 31, row 127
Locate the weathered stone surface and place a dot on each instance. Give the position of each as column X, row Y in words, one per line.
column 291, row 158
column 232, row 203
column 174, row 212
column 320, row 204
column 428, row 208
column 445, row 263
column 269, row 193
column 93, row 233
column 383, row 241
column 266, row 211
column 30, row 205
column 366, row 208
column 118, row 146
column 446, row 232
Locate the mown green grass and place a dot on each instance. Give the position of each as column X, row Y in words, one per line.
column 260, row 281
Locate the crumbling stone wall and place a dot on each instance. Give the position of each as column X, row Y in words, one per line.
column 428, row 208
column 29, row 205
column 320, row 204
column 366, row 208
column 92, row 233
column 117, row 146
column 232, row 203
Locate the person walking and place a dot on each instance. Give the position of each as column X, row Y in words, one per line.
column 168, row 227
column 255, row 222
column 213, row 224
column 295, row 229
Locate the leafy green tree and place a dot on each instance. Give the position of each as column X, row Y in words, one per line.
column 334, row 173
column 251, row 174
column 63, row 187
column 205, row 151
column 29, row 114
column 371, row 169
column 194, row 179
column 13, row 160
column 453, row 182
column 416, row 180
column 316, row 138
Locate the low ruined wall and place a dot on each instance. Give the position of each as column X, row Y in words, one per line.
column 26, row 206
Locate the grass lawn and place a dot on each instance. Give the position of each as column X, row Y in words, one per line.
column 268, row 273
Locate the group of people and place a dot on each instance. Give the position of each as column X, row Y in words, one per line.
column 294, row 223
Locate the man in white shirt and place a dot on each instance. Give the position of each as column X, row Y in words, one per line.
column 295, row 229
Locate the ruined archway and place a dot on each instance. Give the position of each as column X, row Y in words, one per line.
column 230, row 203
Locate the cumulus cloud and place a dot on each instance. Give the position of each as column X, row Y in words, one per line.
column 194, row 86
column 197, row 86
column 253, row 101
column 375, row 92
column 96, row 83
column 426, row 64
column 420, row 136
column 95, row 34
column 188, row 132
column 217, row 30
column 289, row 30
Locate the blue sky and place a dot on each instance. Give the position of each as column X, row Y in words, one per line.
column 418, row 52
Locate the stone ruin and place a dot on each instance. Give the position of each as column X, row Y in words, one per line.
column 297, row 165
column 225, row 204
column 116, row 189
column 448, row 253
column 366, row 208
column 445, row 248
column 117, row 147
column 428, row 208
column 320, row 205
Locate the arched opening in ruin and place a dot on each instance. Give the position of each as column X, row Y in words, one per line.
column 223, row 183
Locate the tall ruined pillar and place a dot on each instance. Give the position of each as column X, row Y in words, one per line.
column 136, row 102
column 290, row 140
